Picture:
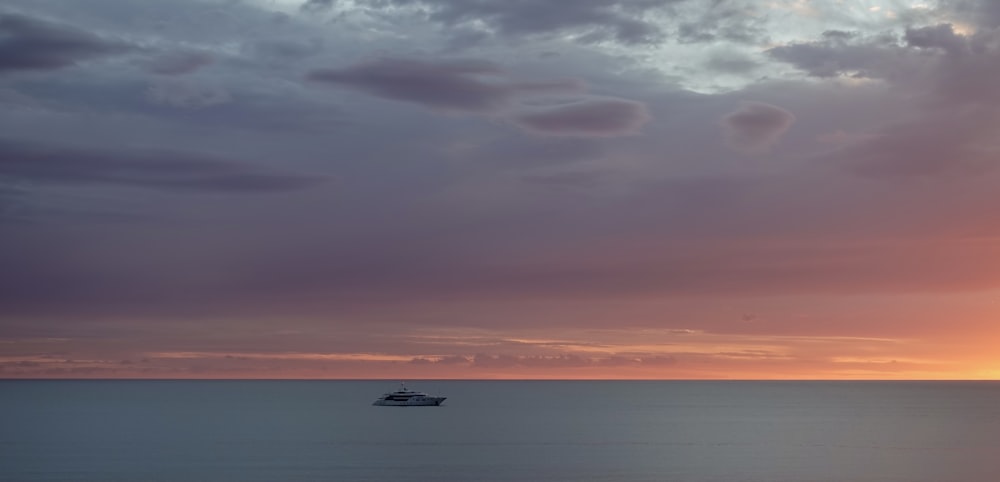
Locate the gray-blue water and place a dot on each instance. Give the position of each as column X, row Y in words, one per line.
column 215, row 431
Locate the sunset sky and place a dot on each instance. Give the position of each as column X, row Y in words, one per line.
column 415, row 189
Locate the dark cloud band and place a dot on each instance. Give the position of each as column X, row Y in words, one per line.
column 28, row 43
column 454, row 86
column 164, row 170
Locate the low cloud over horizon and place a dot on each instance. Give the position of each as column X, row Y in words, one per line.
column 494, row 189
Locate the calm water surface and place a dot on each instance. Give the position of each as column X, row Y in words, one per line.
column 213, row 431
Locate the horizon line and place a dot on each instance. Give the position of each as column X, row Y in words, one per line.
column 292, row 379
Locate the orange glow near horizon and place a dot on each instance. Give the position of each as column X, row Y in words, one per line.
column 640, row 354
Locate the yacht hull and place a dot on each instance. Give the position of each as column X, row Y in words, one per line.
column 421, row 402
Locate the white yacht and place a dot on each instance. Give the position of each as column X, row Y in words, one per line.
column 408, row 398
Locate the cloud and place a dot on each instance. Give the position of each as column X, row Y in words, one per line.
column 152, row 169
column 841, row 53
column 589, row 20
column 453, row 86
column 316, row 6
column 179, row 63
column 756, row 126
column 723, row 20
column 949, row 76
column 592, row 118
column 933, row 62
column 958, row 69
column 482, row 360
column 568, row 360
column 28, row 43
column 941, row 36
column 453, row 359
column 443, row 360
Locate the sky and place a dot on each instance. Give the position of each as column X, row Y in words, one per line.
column 529, row 189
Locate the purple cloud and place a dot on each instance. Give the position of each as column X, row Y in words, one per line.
column 594, row 118
column 28, row 43
column 756, row 126
column 454, row 86
column 470, row 86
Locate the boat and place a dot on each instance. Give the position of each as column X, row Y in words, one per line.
column 408, row 398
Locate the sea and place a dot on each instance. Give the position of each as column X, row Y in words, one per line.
column 621, row 431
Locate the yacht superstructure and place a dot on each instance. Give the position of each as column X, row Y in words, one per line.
column 408, row 398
